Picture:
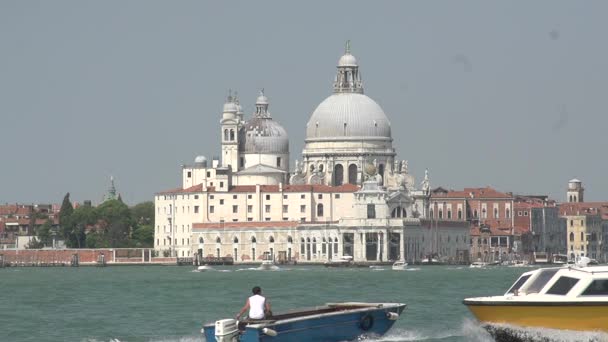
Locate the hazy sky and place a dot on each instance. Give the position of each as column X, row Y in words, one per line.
column 508, row 94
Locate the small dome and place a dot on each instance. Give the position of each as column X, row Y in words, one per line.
column 574, row 180
column 263, row 135
column 347, row 60
column 262, row 99
column 200, row 161
column 230, row 107
column 348, row 115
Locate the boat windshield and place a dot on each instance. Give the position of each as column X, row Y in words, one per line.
column 543, row 277
column 519, row 283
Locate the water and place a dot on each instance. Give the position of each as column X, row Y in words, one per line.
column 155, row 303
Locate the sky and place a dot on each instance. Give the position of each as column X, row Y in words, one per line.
column 511, row 95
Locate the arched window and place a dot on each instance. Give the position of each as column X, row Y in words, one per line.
column 475, row 213
column 403, row 212
column 338, row 175
column 253, row 240
column 226, row 135
column 302, row 246
column 449, row 214
column 201, row 240
column 335, row 245
column 321, row 167
column 495, row 212
column 312, row 168
column 218, row 240
column 484, row 213
column 381, row 172
column 508, row 213
column 235, row 240
column 571, row 236
column 271, row 239
column 460, row 214
column 231, row 135
column 485, row 241
column 314, row 246
column 570, row 198
column 319, row 210
column 352, row 174
column 440, row 213
column 582, row 236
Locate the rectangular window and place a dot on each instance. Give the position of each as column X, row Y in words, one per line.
column 562, row 286
column 250, row 219
column 518, row 283
column 221, row 184
column 267, row 219
column 196, row 209
column 302, row 209
column 320, row 196
column 221, row 202
column 233, row 196
column 195, row 196
column 278, row 161
column 235, row 209
column 235, row 220
column 211, row 197
column 371, row 211
column 268, row 197
column 211, row 209
column 285, row 219
column 250, row 209
column 242, row 162
column 249, row 196
column 302, row 219
column 285, row 209
column 597, row 288
column 189, row 174
column 337, row 196
column 284, row 196
column 208, row 174
column 302, row 196
column 267, row 208
column 525, row 213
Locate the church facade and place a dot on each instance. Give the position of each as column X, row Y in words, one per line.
column 348, row 194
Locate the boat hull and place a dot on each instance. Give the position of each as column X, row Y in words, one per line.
column 343, row 326
column 565, row 315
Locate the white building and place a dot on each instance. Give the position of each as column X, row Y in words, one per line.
column 348, row 195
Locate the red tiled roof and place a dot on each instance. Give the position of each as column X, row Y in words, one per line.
column 470, row 193
column 259, row 224
column 584, row 208
column 270, row 188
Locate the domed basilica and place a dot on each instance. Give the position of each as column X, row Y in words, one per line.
column 348, row 196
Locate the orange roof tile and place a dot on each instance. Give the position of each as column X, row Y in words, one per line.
column 470, row 193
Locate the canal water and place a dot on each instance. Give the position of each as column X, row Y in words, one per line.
column 161, row 303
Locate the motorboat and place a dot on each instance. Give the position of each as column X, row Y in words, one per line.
column 331, row 322
column 431, row 261
column 399, row 265
column 478, row 264
column 204, row 268
column 343, row 261
column 268, row 265
column 519, row 263
column 569, row 297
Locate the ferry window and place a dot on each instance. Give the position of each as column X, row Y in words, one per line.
column 541, row 280
column 597, row 288
column 562, row 286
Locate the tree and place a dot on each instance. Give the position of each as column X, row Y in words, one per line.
column 115, row 217
column 82, row 217
column 43, row 233
column 34, row 244
column 65, row 222
column 143, row 213
column 143, row 236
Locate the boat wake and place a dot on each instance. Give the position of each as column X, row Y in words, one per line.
column 510, row 333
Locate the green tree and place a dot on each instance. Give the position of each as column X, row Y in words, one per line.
column 143, row 213
column 34, row 244
column 43, row 233
column 143, row 236
column 65, row 222
column 116, row 219
column 82, row 217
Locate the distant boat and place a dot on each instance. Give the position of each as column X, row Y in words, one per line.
column 478, row 264
column 431, row 261
column 268, row 265
column 205, row 268
column 331, row 322
column 343, row 261
column 399, row 265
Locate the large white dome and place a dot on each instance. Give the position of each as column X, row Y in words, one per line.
column 348, row 115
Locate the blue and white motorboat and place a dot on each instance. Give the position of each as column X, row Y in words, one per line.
column 331, row 322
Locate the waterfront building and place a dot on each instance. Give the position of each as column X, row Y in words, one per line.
column 586, row 222
column 489, row 213
column 18, row 222
column 539, row 225
column 349, row 194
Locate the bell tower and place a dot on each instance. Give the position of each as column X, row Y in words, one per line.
column 575, row 191
column 230, row 124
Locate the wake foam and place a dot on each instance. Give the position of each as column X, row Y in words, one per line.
column 510, row 333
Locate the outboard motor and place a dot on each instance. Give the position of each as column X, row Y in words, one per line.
column 226, row 330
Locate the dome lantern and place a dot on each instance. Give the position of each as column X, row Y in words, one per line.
column 348, row 79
